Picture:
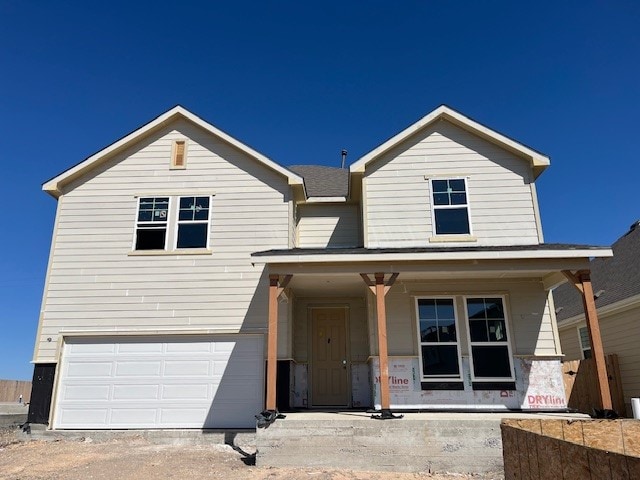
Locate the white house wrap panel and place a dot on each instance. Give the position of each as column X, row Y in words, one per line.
column 166, row 382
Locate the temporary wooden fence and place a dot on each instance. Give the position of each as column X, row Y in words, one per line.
column 581, row 385
column 10, row 390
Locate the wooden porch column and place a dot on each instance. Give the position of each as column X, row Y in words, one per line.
column 581, row 280
column 275, row 289
column 380, row 289
column 381, row 310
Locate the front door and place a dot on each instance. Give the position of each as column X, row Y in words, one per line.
column 329, row 372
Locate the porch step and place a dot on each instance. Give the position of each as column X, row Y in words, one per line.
column 450, row 444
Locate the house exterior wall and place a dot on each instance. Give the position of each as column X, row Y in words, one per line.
column 397, row 199
column 96, row 282
column 527, row 304
column 535, row 357
column 328, row 225
column 620, row 335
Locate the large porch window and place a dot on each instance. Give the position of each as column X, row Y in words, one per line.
column 489, row 342
column 439, row 347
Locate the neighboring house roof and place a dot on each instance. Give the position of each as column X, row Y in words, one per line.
column 545, row 250
column 320, row 181
column 538, row 160
column 54, row 185
column 613, row 279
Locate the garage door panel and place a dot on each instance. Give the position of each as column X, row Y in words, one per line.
column 186, row 392
column 90, row 369
column 84, row 347
column 161, row 382
column 192, row 417
column 121, row 417
column 187, row 368
column 77, row 417
column 77, row 392
column 138, row 369
column 139, row 348
column 191, row 348
column 136, row 392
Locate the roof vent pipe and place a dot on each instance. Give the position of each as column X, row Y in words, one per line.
column 344, row 157
column 635, row 224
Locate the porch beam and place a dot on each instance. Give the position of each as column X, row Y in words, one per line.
column 597, row 350
column 573, row 280
column 275, row 289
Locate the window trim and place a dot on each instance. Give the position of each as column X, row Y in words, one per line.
column 191, row 222
column 439, row 378
column 580, row 344
column 471, row 344
column 450, row 236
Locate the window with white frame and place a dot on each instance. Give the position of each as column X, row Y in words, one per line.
column 151, row 225
column 488, row 339
column 193, row 222
column 450, row 206
column 439, row 349
column 585, row 343
column 181, row 222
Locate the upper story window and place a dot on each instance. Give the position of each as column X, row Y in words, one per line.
column 585, row 344
column 151, row 227
column 450, row 206
column 439, row 348
column 193, row 222
column 181, row 222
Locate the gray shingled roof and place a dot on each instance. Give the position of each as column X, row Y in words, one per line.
column 320, row 181
column 618, row 277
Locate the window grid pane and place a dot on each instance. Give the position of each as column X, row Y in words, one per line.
column 450, row 204
column 490, row 357
column 193, row 222
column 438, row 338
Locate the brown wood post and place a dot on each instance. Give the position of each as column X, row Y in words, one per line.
column 382, row 342
column 272, row 342
column 597, row 349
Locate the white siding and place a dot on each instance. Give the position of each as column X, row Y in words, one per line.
column 530, row 319
column 95, row 285
column 397, row 191
column 321, row 226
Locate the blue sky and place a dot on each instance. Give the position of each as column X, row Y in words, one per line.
column 299, row 81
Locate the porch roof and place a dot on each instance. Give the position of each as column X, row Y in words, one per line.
column 361, row 254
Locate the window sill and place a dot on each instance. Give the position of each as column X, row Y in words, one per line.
column 452, row 238
column 154, row 253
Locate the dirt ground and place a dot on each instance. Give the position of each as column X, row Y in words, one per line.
column 129, row 459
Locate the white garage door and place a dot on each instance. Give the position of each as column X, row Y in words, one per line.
column 160, row 382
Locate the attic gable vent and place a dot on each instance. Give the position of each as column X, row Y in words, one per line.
column 179, row 154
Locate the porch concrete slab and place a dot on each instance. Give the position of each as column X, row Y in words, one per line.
column 437, row 442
